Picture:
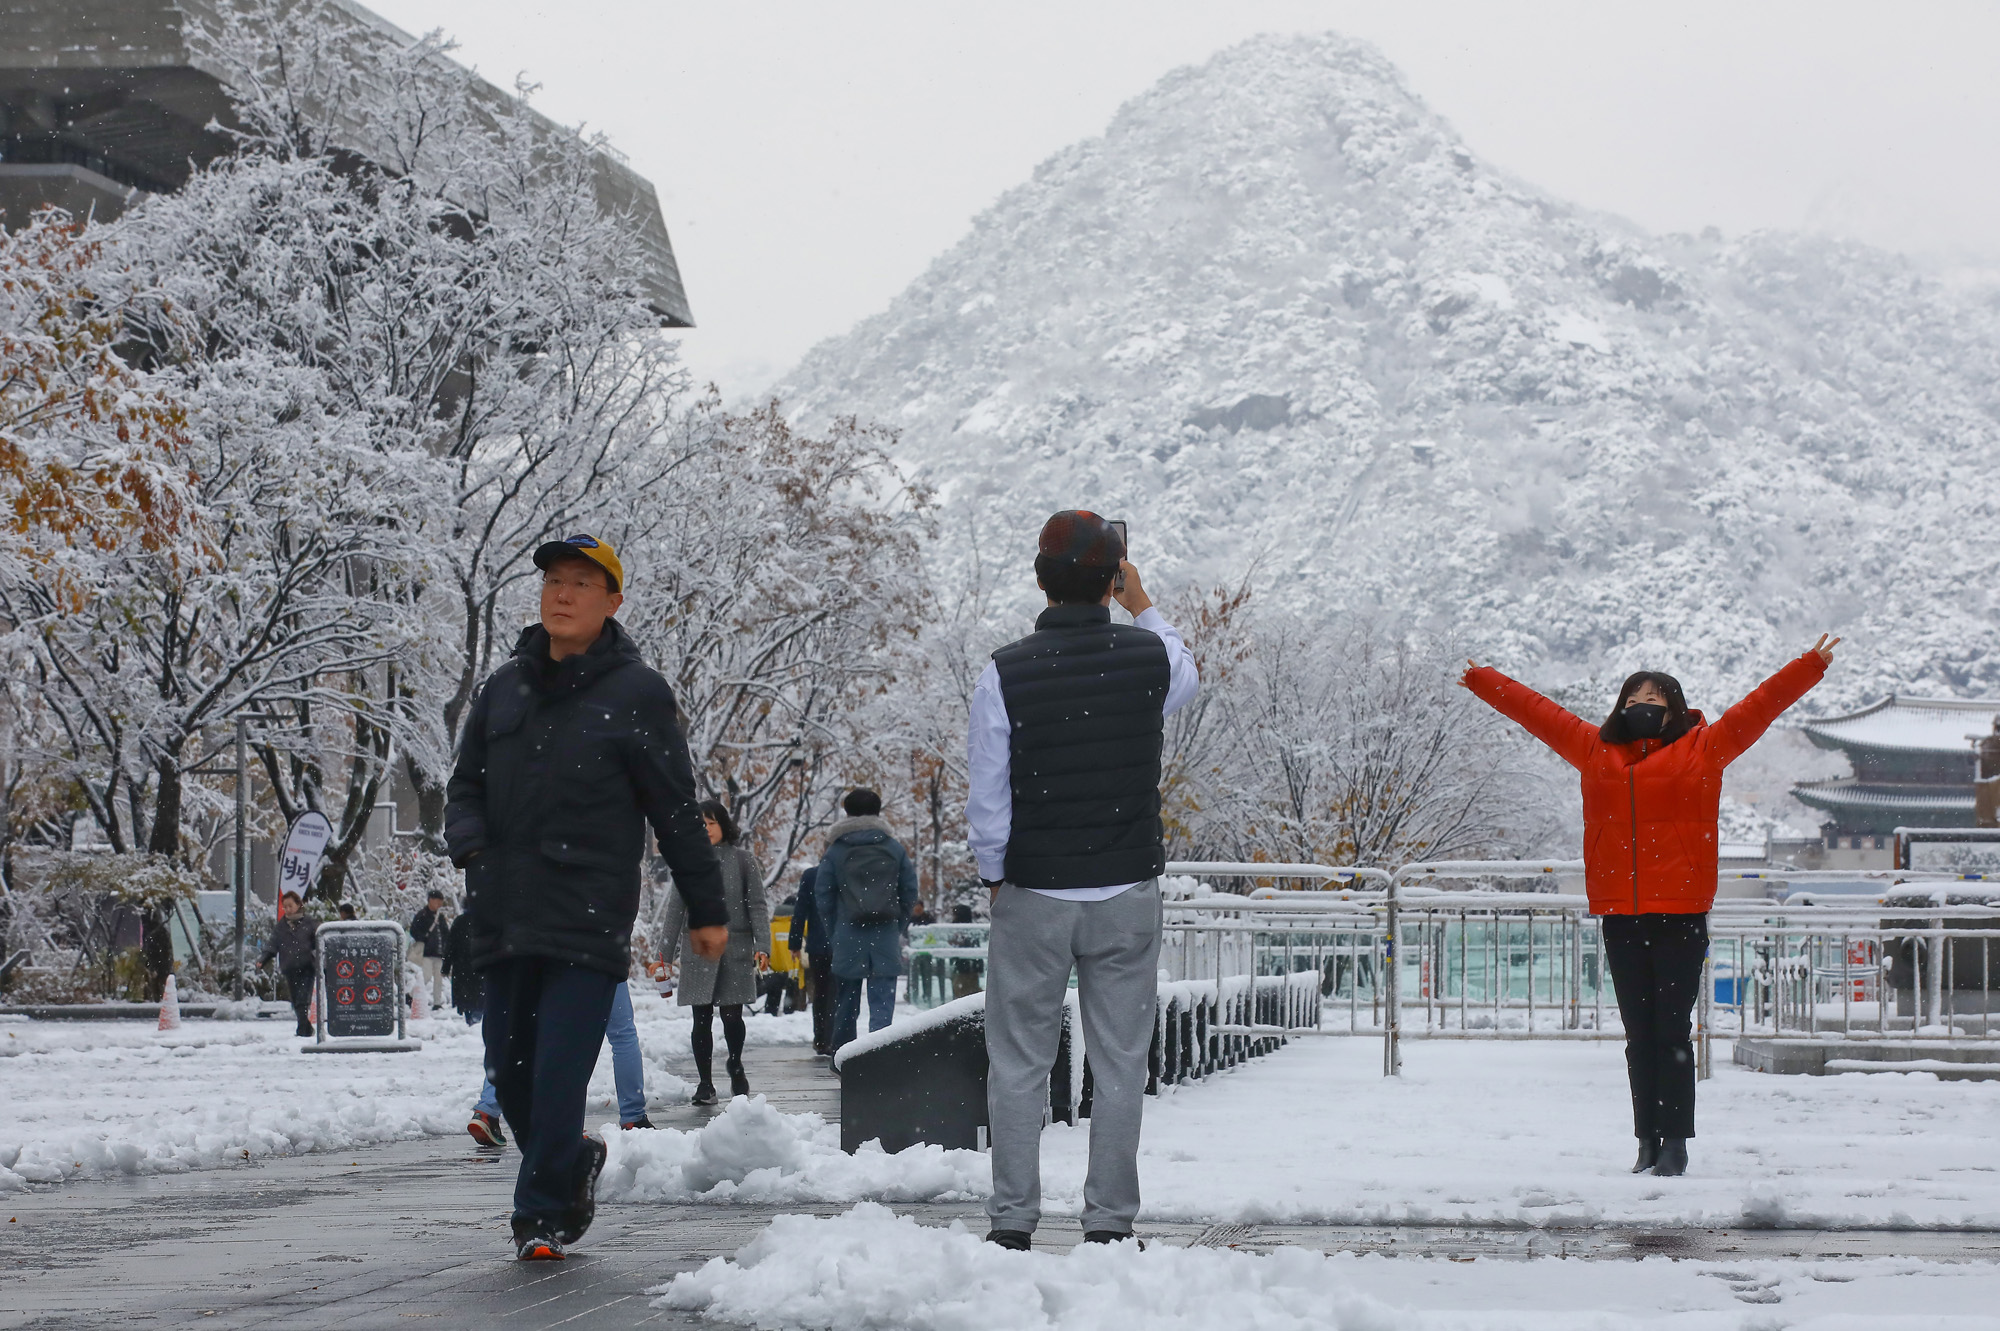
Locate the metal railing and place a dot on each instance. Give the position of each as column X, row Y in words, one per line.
column 1421, row 953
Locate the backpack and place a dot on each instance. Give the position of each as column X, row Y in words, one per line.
column 870, row 879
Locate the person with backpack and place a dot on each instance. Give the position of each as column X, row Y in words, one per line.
column 867, row 889
column 1062, row 808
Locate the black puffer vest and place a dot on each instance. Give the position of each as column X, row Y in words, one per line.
column 1084, row 697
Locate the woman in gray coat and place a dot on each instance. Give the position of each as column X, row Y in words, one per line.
column 731, row 982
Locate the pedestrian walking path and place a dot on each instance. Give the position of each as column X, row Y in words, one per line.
column 406, row 1232
column 416, row 1232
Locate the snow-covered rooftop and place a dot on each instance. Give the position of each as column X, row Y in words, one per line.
column 1923, row 725
column 1847, row 794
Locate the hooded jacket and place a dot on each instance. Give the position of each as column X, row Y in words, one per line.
column 562, row 765
column 1650, row 807
column 863, row 951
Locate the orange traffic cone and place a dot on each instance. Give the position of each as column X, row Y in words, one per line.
column 170, row 1007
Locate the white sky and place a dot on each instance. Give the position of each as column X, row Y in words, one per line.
column 811, row 158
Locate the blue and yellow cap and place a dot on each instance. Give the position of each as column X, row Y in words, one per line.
column 596, row 551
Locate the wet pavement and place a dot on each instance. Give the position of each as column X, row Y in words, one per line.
column 416, row 1233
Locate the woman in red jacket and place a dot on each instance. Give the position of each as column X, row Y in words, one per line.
column 1652, row 785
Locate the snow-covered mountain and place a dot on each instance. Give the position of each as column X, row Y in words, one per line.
column 1279, row 315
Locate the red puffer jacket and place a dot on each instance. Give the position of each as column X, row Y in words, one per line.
column 1649, row 809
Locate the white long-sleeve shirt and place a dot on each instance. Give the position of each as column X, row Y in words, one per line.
column 989, row 802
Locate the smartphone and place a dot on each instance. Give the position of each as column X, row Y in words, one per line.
column 1118, row 582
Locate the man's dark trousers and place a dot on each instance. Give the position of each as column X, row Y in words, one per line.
column 1656, row 969
column 545, row 1022
column 822, row 1000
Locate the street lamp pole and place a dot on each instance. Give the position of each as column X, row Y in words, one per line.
column 242, row 874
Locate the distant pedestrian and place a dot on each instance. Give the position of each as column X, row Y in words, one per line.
column 347, row 911
column 570, row 749
column 810, row 939
column 427, row 930
column 1063, row 816
column 1652, row 790
column 293, row 944
column 782, row 989
column 730, row 981
column 966, row 972
column 867, row 887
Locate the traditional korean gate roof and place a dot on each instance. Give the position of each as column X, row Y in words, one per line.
column 1909, row 725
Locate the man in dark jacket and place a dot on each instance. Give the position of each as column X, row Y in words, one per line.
column 867, row 888
column 294, row 942
column 427, row 930
column 1062, row 811
column 571, row 748
column 809, row 940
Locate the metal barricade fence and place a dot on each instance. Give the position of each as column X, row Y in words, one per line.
column 1384, row 946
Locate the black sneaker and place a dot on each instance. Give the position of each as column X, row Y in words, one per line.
column 1113, row 1236
column 704, row 1094
column 1013, row 1240
column 640, row 1122
column 583, row 1202
column 534, row 1242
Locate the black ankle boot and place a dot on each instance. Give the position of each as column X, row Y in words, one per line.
column 738, row 1083
column 1673, row 1158
column 1649, row 1154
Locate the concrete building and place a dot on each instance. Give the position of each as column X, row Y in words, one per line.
column 101, row 101
column 1913, row 761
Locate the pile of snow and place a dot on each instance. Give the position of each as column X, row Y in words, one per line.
column 751, row 1152
column 869, row 1270
column 80, row 1098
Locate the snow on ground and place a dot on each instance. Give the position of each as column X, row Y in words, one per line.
column 751, row 1152
column 1511, row 1134
column 1541, row 1133
column 94, row 1097
column 1516, row 1133
column 871, row 1269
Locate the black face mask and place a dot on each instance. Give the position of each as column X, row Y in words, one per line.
column 1645, row 720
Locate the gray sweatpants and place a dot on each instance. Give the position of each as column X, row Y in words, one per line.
column 1115, row 947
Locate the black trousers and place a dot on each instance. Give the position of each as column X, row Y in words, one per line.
column 301, row 983
column 1656, row 969
column 544, row 1025
column 701, row 1040
column 821, row 965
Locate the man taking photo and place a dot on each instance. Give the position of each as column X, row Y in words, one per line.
column 571, row 748
column 1064, row 750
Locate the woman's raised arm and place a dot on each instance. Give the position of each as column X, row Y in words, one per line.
column 1556, row 726
column 1745, row 723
